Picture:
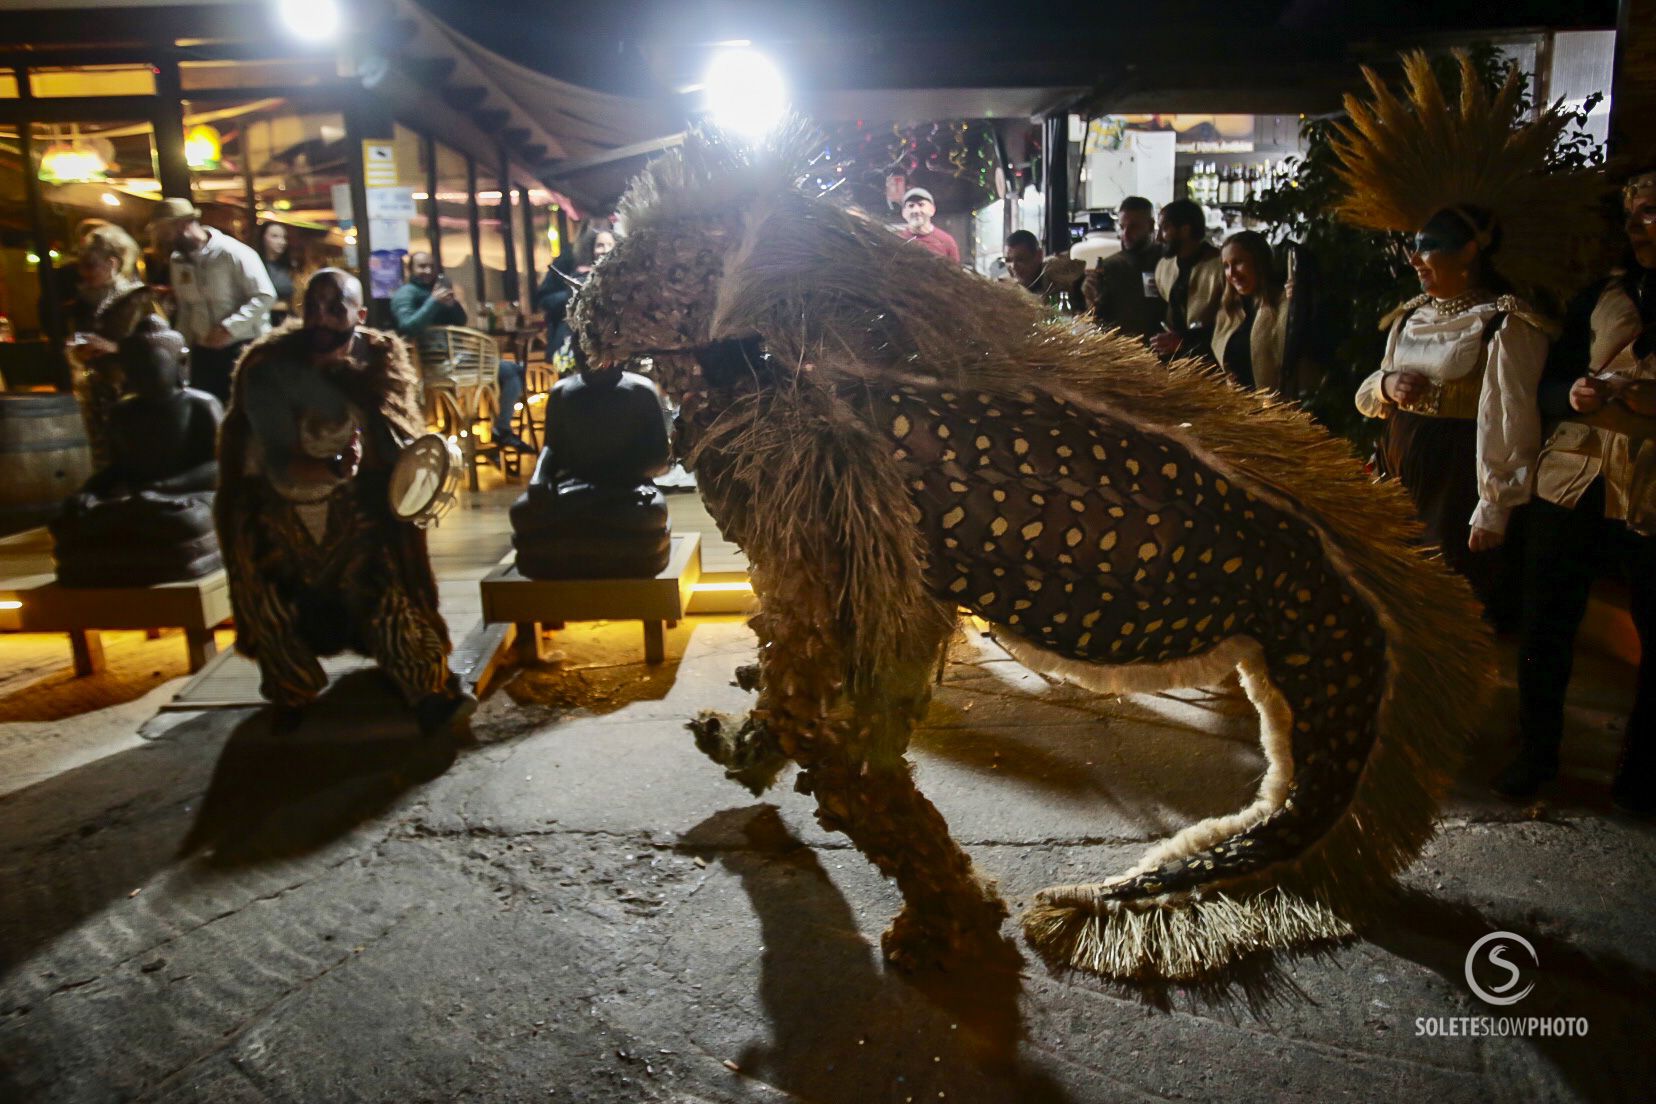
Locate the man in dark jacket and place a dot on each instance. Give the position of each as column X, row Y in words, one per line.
column 1121, row 291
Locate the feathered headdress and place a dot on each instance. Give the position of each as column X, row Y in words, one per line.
column 1405, row 158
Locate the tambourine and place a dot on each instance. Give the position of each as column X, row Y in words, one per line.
column 426, row 479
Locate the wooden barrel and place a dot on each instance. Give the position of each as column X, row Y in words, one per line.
column 43, row 456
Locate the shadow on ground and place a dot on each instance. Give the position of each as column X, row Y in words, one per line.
column 275, row 794
column 1614, row 1062
column 234, row 796
column 839, row 1021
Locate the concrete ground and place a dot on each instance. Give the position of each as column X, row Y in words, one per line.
column 576, row 906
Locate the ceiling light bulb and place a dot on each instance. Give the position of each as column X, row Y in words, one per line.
column 745, row 92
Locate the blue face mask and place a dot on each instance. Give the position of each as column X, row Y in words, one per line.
column 1428, row 242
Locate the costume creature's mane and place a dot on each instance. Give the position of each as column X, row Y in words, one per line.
column 848, row 313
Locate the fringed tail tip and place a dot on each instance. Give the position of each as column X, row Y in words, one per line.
column 1180, row 940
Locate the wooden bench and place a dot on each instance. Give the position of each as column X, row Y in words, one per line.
column 531, row 604
column 36, row 603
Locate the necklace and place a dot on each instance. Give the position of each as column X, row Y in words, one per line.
column 1460, row 304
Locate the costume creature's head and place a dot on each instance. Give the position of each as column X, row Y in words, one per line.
column 724, row 255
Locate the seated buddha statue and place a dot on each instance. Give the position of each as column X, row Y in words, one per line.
column 592, row 510
column 146, row 517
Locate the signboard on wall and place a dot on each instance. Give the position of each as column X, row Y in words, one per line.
column 391, row 203
column 379, row 165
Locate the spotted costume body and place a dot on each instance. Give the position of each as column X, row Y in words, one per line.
column 891, row 440
column 1107, row 545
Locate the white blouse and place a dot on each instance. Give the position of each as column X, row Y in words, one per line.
column 1445, row 348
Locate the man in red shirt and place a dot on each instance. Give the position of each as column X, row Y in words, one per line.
column 918, row 209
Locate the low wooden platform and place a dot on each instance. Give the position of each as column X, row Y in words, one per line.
column 36, row 603
column 536, row 604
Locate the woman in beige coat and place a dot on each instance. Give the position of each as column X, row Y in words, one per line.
column 1250, row 336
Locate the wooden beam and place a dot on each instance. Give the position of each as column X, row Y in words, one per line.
column 491, row 120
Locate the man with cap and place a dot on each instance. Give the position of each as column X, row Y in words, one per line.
column 222, row 292
column 918, row 209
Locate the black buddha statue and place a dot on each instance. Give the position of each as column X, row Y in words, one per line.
column 591, row 510
column 147, row 516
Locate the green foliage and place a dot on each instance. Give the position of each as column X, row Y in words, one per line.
column 1364, row 275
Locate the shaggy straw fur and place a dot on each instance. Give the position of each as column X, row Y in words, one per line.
column 797, row 472
column 1404, row 158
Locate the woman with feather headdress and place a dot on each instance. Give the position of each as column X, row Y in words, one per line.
column 1457, row 386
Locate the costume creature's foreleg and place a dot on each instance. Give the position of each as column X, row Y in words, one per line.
column 849, row 635
column 850, row 749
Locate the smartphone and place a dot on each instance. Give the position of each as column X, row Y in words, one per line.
column 442, row 281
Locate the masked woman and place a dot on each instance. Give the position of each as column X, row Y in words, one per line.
column 1457, row 384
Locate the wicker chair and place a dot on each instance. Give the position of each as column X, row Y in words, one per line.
column 461, row 368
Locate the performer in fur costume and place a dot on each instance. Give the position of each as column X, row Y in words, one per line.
column 890, row 439
column 318, row 563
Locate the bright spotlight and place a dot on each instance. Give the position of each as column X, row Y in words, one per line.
column 311, row 20
column 745, row 93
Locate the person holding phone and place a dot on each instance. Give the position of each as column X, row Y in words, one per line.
column 431, row 299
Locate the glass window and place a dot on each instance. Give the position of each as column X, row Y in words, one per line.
column 8, row 85
column 201, row 76
column 95, row 171
column 454, row 224
column 544, row 218
column 514, row 236
column 93, row 80
column 412, row 158
column 495, row 225
column 19, row 264
column 300, row 176
column 103, row 171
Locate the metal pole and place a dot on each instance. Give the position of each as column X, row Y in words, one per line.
column 1055, row 174
column 172, row 168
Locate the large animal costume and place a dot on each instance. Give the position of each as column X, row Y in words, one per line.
column 319, row 564
column 890, row 439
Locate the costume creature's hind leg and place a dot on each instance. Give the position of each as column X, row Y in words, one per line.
column 1121, row 559
column 850, row 750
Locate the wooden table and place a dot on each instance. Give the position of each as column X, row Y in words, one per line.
column 532, row 604
column 197, row 606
